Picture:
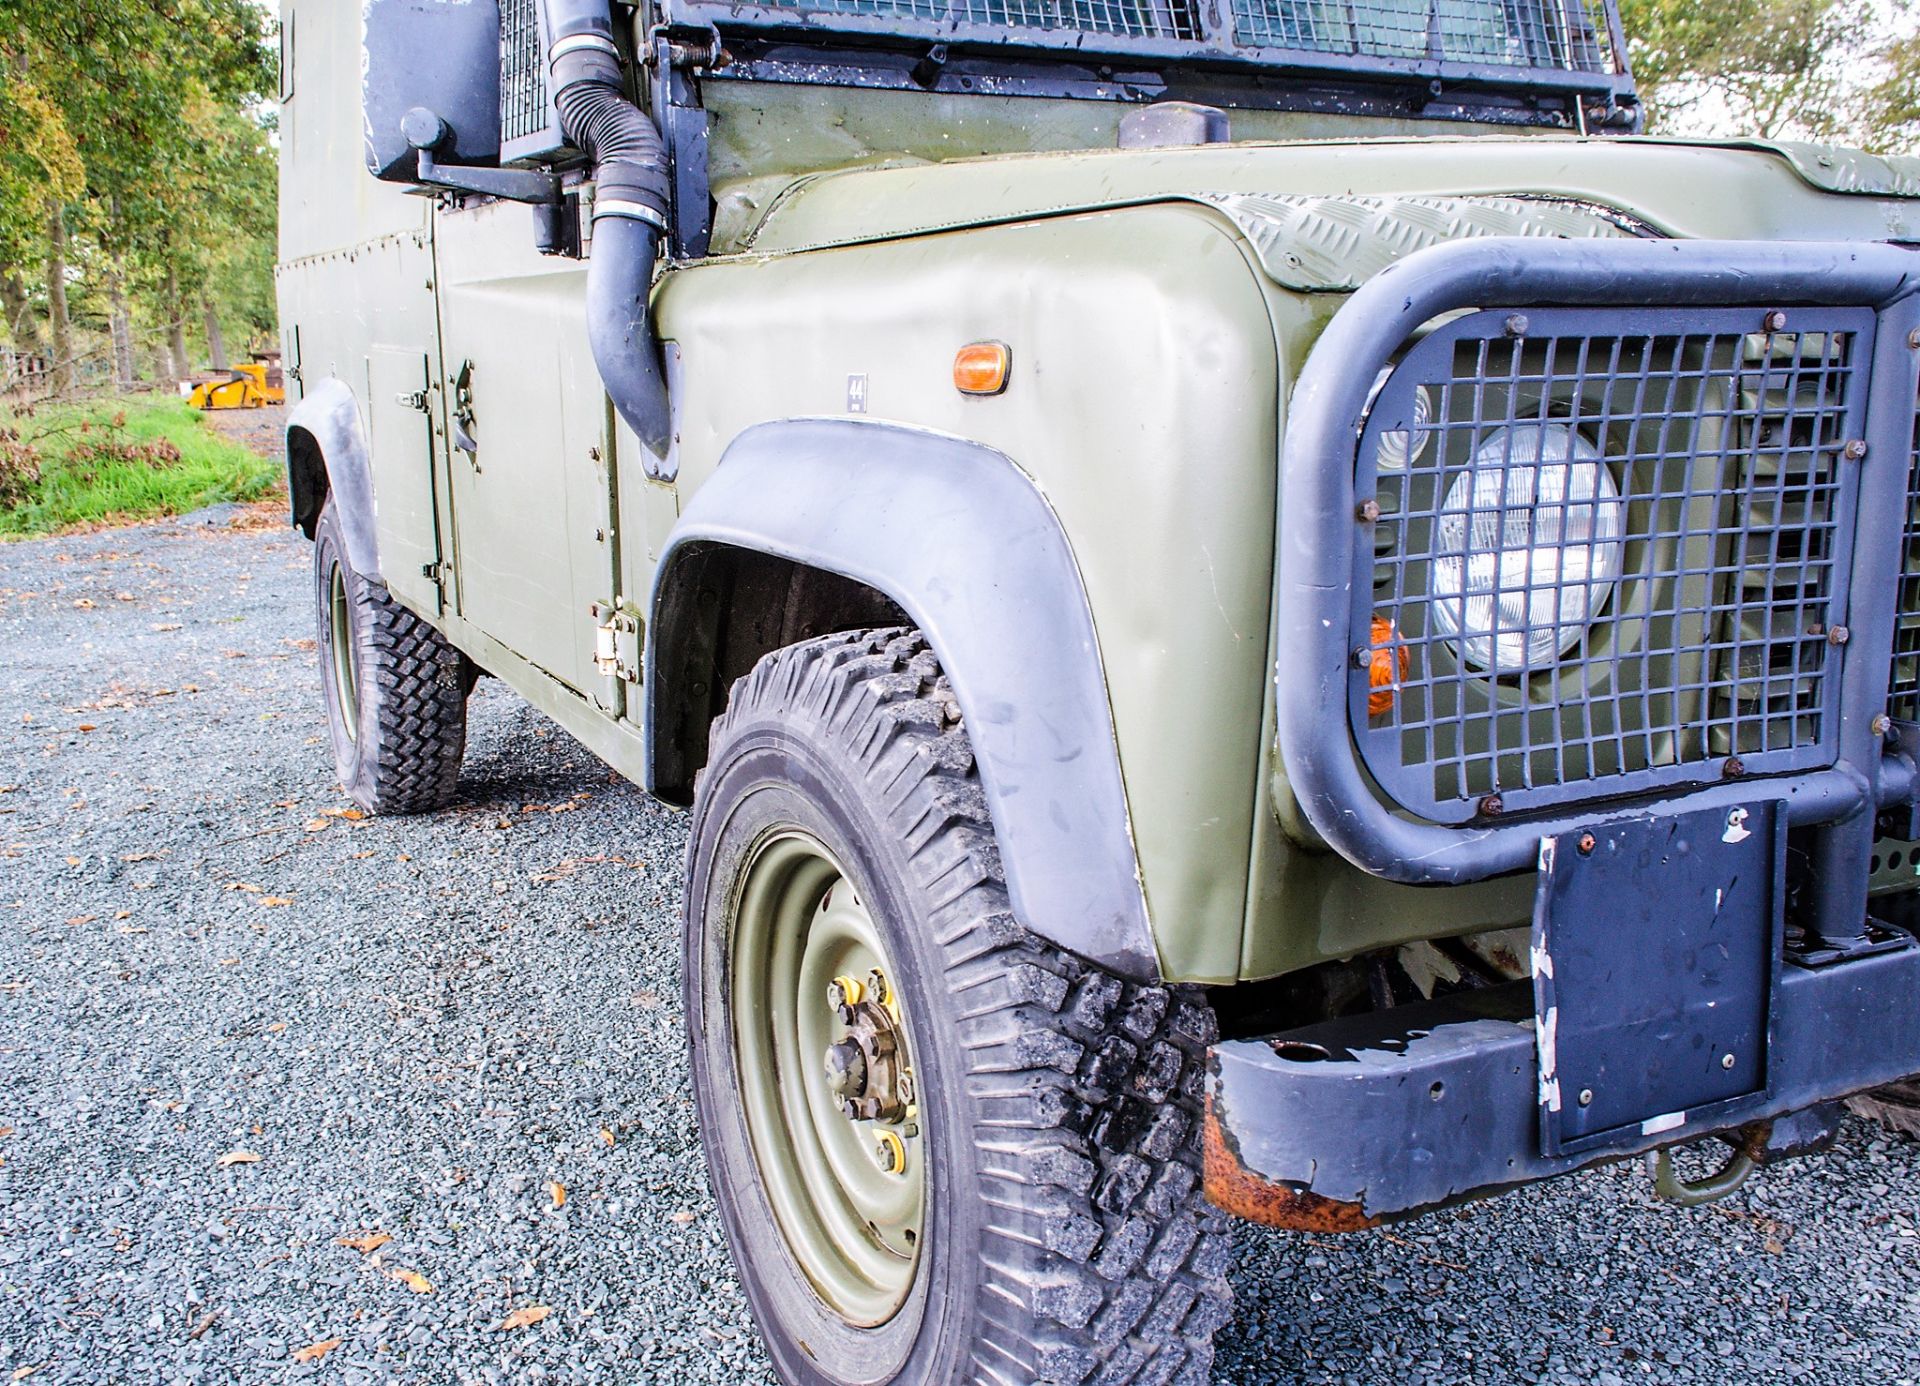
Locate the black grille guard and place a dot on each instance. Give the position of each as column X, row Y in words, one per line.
column 1322, row 523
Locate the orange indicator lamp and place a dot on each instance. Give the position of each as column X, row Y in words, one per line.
column 982, row 368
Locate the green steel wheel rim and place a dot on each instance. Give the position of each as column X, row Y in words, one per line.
column 346, row 683
column 852, row 1224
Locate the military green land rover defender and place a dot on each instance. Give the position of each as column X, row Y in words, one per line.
column 1262, row 608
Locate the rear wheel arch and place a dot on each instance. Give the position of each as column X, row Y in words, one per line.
column 328, row 460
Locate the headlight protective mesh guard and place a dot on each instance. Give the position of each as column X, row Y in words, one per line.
column 1680, row 493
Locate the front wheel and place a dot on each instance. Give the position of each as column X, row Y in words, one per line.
column 395, row 689
column 944, row 1151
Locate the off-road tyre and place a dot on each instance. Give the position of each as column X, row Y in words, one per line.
column 1067, row 1240
column 399, row 734
column 1895, row 1107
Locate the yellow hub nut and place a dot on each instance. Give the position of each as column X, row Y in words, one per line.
column 890, row 1153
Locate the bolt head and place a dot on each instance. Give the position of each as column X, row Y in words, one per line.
column 1882, row 725
column 1586, row 844
column 1775, row 321
column 1368, row 511
column 1855, row 450
column 1517, row 325
column 1913, row 339
column 1586, row 1097
column 1492, row 806
column 1733, row 769
column 1727, row 1061
column 1839, row 635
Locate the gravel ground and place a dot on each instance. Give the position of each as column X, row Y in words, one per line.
column 238, row 1026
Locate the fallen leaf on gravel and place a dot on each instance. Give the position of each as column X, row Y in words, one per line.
column 79, row 919
column 414, row 1281
column 144, row 856
column 524, row 1318
column 233, row 654
column 206, row 1322
column 133, row 928
column 313, row 1352
column 352, row 815
column 314, row 825
column 308, row 643
column 683, row 1217
column 168, row 625
column 88, row 726
column 273, row 902
column 8, row 788
column 22, row 1373
column 606, row 1137
column 6, row 1131
column 228, row 962
column 123, row 596
column 238, row 1157
column 366, row 1243
column 85, row 603
column 73, row 861
column 276, row 1027
column 559, row 1192
column 242, row 885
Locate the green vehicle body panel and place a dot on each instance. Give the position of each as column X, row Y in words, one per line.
column 1158, row 304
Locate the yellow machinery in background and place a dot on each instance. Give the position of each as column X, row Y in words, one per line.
column 255, row 385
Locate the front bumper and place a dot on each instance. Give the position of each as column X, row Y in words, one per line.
column 1424, row 1105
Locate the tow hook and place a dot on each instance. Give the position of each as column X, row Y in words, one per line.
column 1691, row 1193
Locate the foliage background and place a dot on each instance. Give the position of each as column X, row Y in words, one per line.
column 137, row 198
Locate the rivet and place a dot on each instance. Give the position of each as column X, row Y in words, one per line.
column 1586, row 1097
column 1775, row 321
column 1727, row 1061
column 1517, row 325
column 1855, row 449
column 1586, row 844
column 1839, row 635
column 1368, row 511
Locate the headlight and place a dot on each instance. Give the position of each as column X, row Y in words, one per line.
column 1528, row 548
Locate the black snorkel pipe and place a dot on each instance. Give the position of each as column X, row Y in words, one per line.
column 629, row 211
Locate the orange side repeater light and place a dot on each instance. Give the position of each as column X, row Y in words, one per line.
column 1387, row 668
column 981, row 368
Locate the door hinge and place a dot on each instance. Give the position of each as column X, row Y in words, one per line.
column 618, row 641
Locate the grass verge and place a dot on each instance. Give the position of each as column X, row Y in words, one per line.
column 102, row 461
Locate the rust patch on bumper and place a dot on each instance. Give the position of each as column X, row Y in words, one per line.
column 1233, row 1187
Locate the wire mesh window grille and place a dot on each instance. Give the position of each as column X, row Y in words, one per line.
column 1158, row 19
column 1609, row 550
column 524, row 108
column 1904, row 702
column 1570, row 35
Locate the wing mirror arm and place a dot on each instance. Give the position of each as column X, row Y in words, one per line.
column 426, row 132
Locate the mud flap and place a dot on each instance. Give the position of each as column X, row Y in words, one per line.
column 1656, row 961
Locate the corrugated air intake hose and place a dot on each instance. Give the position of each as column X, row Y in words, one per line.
column 629, row 211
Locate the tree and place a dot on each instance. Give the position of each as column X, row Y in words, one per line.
column 1775, row 69
column 109, row 116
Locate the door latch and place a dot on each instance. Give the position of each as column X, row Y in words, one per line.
column 618, row 637
column 463, row 422
column 415, row 400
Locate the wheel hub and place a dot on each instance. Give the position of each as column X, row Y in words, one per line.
column 865, row 1069
column 825, row 1072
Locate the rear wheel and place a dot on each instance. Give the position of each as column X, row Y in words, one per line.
column 395, row 689
column 944, row 1151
